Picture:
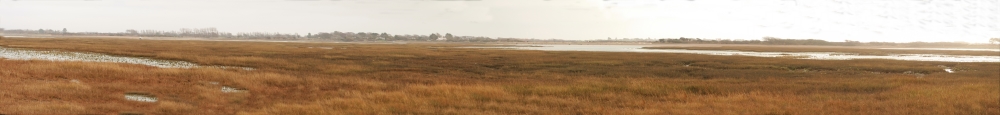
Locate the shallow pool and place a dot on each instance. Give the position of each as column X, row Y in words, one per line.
column 28, row 54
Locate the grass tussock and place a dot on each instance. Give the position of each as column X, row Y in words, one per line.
column 291, row 78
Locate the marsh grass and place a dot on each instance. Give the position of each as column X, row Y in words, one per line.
column 434, row 79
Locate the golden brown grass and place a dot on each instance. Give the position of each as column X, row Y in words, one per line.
column 858, row 50
column 427, row 79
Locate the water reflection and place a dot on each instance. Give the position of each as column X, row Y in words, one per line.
column 27, row 54
column 954, row 49
column 798, row 55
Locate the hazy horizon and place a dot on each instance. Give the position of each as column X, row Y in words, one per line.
column 833, row 20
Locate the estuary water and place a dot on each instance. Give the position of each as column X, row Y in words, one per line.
column 797, row 55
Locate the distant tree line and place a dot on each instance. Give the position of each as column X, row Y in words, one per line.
column 765, row 40
column 213, row 33
column 372, row 36
column 781, row 41
column 27, row 31
column 683, row 40
column 626, row 40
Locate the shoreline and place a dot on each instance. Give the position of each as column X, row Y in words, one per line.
column 644, row 44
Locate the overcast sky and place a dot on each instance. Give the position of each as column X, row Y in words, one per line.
column 834, row 20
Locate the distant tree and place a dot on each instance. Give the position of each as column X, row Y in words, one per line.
column 994, row 40
column 366, row 36
column 323, row 36
column 772, row 40
column 310, row 35
column 337, row 35
column 397, row 37
column 132, row 32
column 449, row 37
column 372, row 36
column 434, row 36
column 361, row 36
column 851, row 43
column 384, row 36
column 64, row 31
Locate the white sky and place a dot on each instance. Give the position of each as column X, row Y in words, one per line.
column 833, row 20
